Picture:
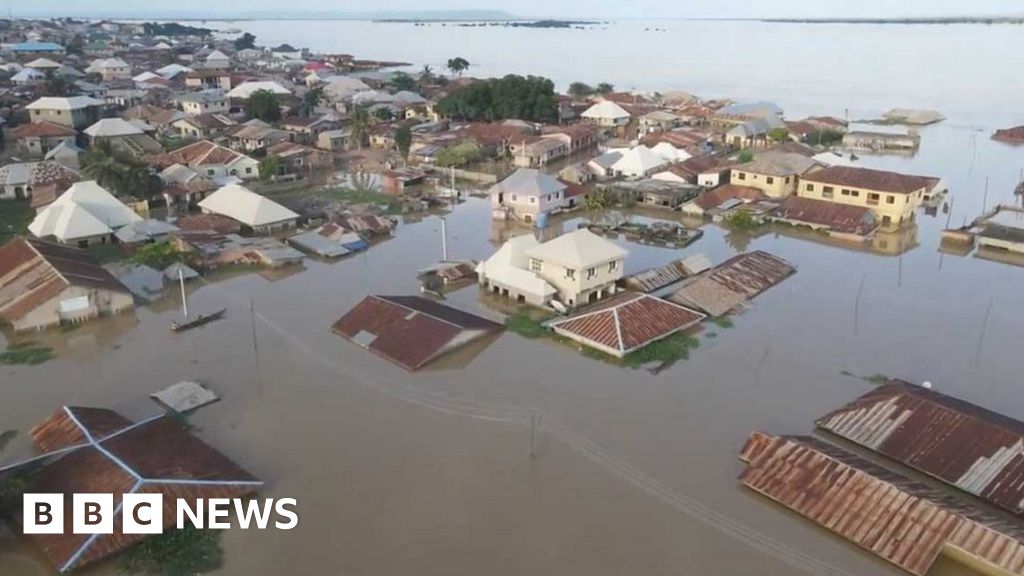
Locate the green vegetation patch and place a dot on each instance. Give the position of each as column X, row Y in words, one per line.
column 525, row 325
column 158, row 255
column 176, row 553
column 723, row 321
column 14, row 219
column 25, row 354
column 741, row 220
column 664, row 352
column 106, row 253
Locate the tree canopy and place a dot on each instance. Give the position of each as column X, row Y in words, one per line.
column 245, row 41
column 580, row 89
column 119, row 174
column 403, row 140
column 526, row 98
column 604, row 88
column 263, row 104
column 402, row 81
column 458, row 65
column 458, row 155
column 173, row 29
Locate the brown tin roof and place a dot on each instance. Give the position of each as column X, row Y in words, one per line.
column 844, row 218
column 868, row 178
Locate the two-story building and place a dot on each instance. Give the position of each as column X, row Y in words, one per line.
column 537, row 151
column 527, row 195
column 75, row 111
column 575, row 268
column 774, row 173
column 204, row 102
column 891, row 197
column 608, row 115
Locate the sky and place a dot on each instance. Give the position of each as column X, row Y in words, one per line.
column 527, row 8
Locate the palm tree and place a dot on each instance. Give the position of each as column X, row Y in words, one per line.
column 311, row 99
column 360, row 128
column 427, row 76
column 99, row 164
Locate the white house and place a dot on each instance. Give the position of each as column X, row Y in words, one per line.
column 527, row 195
column 111, row 69
column 218, row 60
column 507, row 273
column 638, row 162
column 607, row 114
column 246, row 89
column 670, row 153
column 257, row 212
column 84, row 215
column 581, row 265
column 216, row 162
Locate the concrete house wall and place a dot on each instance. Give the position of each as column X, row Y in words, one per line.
column 888, row 207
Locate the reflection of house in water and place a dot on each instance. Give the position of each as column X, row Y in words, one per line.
column 999, row 236
column 503, row 230
column 883, row 242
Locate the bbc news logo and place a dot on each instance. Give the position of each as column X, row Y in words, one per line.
column 144, row 513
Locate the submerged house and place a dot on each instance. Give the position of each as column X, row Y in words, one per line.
column 838, row 220
column 879, row 138
column 96, row 450
column 1003, row 230
column 254, row 211
column 626, row 323
column 892, row 197
column 733, row 282
column 85, row 215
column 411, row 331
column 904, row 522
column 43, row 284
column 964, row 445
column 527, row 195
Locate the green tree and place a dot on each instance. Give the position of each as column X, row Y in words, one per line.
column 458, row 155
column 403, row 140
column 269, row 167
column 604, row 88
column 746, row 156
column 526, row 98
column 310, row 100
column 779, row 134
column 245, row 41
column 263, row 104
column 360, row 127
column 580, row 90
column 427, row 76
column 55, row 85
column 119, row 174
column 402, row 81
column 384, row 114
column 458, row 65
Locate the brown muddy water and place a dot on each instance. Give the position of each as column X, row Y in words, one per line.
column 431, row 473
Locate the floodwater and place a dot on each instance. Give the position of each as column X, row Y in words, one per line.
column 434, row 472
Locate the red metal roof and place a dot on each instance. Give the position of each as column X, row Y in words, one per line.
column 100, row 451
column 870, row 179
column 627, row 322
column 409, row 330
column 976, row 450
column 843, row 218
column 44, row 130
column 901, row 521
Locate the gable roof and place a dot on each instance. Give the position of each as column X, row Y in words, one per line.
column 98, row 450
column 509, row 265
column 974, row 449
column 33, row 271
column 58, row 103
column 578, row 249
column 871, row 179
column 112, row 128
column 409, row 330
column 249, row 208
column 627, row 323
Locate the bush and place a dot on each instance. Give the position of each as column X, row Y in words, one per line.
column 523, row 324
column 177, row 553
column 741, row 220
column 159, row 255
column 458, row 155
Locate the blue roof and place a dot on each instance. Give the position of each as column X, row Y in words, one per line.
column 37, row 47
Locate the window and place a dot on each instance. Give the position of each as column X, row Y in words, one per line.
column 845, row 192
column 741, row 175
column 890, row 199
column 513, row 197
column 535, row 265
column 591, row 272
column 827, row 192
column 612, row 266
column 770, row 180
column 570, row 273
column 209, row 171
column 533, row 199
column 873, row 198
column 248, row 169
column 810, row 187
column 787, row 179
column 855, row 193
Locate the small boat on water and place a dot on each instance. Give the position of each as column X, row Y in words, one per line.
column 198, row 321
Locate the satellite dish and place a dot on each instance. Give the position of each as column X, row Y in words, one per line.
column 926, row 384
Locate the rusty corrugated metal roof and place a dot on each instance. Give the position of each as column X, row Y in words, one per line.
column 409, row 330
column 902, row 521
column 977, row 450
column 627, row 322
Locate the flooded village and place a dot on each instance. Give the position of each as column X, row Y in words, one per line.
column 466, row 319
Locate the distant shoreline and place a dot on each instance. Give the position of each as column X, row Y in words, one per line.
column 933, row 21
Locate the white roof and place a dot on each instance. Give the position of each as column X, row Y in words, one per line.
column 670, row 152
column 217, row 55
column 247, row 89
column 57, row 103
column 578, row 249
column 238, row 202
column 147, row 75
column 344, row 86
column 528, row 181
column 606, row 109
column 833, row 159
column 27, row 74
column 43, row 63
column 639, row 160
column 111, row 63
column 112, row 127
column 172, row 70
column 509, row 266
column 86, row 209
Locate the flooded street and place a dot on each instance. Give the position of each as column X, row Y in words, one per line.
column 432, row 473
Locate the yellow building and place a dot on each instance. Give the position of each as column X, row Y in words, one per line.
column 891, row 197
column 774, row 173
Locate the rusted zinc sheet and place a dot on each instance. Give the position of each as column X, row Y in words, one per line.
column 626, row 323
column 409, row 330
column 902, row 521
column 658, row 278
column 94, row 450
column 977, row 450
column 733, row 282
